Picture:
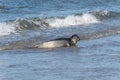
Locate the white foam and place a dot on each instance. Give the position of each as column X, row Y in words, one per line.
column 73, row 20
column 103, row 12
column 6, row 29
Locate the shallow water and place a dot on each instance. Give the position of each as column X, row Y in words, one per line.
column 24, row 23
column 97, row 59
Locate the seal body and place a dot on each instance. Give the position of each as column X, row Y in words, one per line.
column 53, row 44
column 59, row 42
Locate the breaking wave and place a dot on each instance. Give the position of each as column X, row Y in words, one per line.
column 43, row 23
column 73, row 20
column 18, row 25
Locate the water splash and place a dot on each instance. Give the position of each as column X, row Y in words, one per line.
column 6, row 29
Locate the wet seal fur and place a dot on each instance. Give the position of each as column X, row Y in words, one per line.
column 59, row 42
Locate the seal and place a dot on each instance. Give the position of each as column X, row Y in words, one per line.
column 59, row 42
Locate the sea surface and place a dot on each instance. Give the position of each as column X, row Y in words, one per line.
column 24, row 23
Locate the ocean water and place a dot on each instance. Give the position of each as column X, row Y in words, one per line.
column 24, row 23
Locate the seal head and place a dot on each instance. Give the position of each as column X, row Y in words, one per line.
column 74, row 39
